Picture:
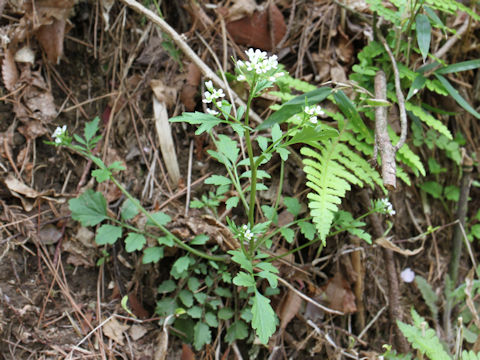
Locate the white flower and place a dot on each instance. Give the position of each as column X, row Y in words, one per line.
column 209, row 86
column 259, row 63
column 388, row 207
column 58, row 133
column 247, row 233
column 213, row 94
column 314, row 112
column 212, row 112
column 407, row 275
column 241, row 77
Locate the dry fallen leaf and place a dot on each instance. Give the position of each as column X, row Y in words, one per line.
column 50, row 38
column 190, row 88
column 241, row 8
column 339, row 295
column 114, row 330
column 255, row 31
column 288, row 308
column 9, row 71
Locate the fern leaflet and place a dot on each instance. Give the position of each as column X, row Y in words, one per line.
column 330, row 171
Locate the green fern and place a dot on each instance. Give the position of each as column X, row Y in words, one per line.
column 470, row 355
column 423, row 338
column 330, row 172
column 428, row 119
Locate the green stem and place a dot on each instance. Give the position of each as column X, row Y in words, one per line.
column 165, row 230
column 280, row 184
column 253, row 169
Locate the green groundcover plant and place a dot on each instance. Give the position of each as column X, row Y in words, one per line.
column 199, row 294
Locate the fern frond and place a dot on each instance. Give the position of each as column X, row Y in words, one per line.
column 406, row 156
column 428, row 119
column 470, row 355
column 331, row 169
column 296, row 84
column 432, row 85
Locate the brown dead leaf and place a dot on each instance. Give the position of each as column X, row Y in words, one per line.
column 51, row 38
column 187, row 353
column 137, row 331
column 288, row 308
column 163, row 93
column 9, row 71
column 254, row 30
column 339, row 295
column 387, row 244
column 32, row 130
column 344, row 49
column 137, row 307
column 114, row 330
column 49, row 234
column 190, row 88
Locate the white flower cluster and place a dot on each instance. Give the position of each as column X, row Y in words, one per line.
column 259, row 63
column 314, row 112
column 211, row 96
column 59, row 133
column 248, row 235
column 387, row 206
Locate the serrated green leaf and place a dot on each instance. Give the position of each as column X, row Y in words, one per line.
column 201, row 335
column 108, row 234
column 232, row 202
column 270, row 277
column 160, row 218
column 186, row 297
column 79, row 139
column 193, row 283
column 206, row 121
column 181, row 264
column 218, row 180
column 90, row 208
column 276, row 133
column 270, row 213
column 225, row 313
column 428, row 295
column 200, row 297
column 433, row 188
column 228, row 147
column 195, row 312
column 200, row 239
column 165, row 240
column 244, row 279
column 152, row 255
column 211, row 319
column 309, row 134
column 134, row 241
column 424, row 34
column 129, row 209
column 293, row 205
column 239, row 257
column 102, row 174
column 263, row 317
column 283, row 153
column 307, row 229
column 116, row 166
column 91, row 128
column 452, row 193
column 288, row 234
column 262, row 142
column 166, row 287
column 237, row 331
column 223, row 292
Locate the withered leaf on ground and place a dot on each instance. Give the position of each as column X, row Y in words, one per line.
column 255, row 31
column 9, row 71
column 288, row 308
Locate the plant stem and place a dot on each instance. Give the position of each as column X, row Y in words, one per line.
column 253, row 168
column 165, row 230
